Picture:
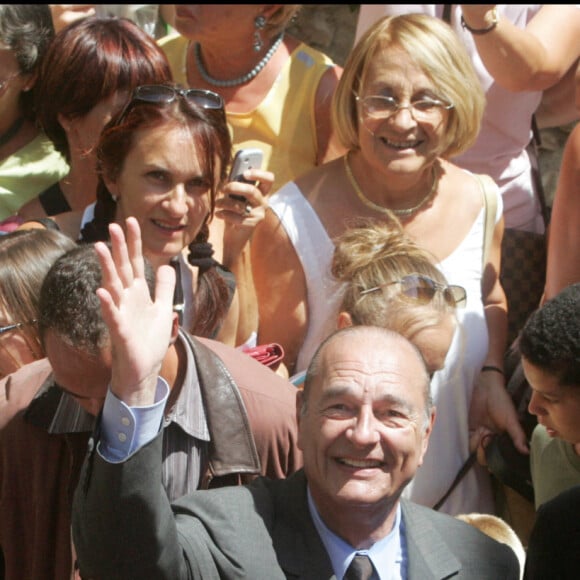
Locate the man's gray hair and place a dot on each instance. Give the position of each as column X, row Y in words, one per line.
column 314, row 368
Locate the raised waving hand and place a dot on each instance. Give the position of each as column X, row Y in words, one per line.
column 139, row 326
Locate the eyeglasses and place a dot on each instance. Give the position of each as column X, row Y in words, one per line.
column 16, row 325
column 380, row 108
column 161, row 94
column 422, row 290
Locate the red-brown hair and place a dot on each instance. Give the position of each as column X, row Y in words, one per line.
column 89, row 61
column 209, row 131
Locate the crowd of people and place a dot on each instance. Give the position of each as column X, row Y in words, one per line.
column 139, row 276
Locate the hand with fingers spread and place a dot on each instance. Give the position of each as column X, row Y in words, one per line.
column 139, row 326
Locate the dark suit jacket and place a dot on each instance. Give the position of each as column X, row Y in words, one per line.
column 251, row 416
column 124, row 527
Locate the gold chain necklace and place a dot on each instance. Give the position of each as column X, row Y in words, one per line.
column 375, row 206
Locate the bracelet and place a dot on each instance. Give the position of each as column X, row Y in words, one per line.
column 480, row 31
column 486, row 368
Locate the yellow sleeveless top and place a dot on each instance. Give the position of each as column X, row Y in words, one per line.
column 283, row 125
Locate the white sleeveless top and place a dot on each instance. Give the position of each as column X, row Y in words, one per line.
column 451, row 387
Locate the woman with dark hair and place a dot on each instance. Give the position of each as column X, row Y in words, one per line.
column 88, row 73
column 163, row 160
column 28, row 161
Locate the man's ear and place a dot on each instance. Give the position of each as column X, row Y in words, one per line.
column 344, row 320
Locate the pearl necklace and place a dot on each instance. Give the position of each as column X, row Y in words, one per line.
column 240, row 80
column 372, row 205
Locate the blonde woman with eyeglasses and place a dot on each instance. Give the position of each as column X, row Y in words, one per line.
column 407, row 101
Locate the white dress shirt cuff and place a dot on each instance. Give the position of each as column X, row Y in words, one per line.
column 126, row 429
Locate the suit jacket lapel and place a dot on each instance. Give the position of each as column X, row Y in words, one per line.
column 300, row 551
column 428, row 554
column 302, row 554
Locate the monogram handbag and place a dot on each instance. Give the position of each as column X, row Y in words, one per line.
column 522, row 275
column 523, row 258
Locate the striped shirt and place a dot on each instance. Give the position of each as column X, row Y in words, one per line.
column 185, row 440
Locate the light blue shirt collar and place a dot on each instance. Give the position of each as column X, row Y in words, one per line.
column 388, row 555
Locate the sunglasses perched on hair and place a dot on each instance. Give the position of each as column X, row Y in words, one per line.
column 15, row 325
column 161, row 94
column 421, row 290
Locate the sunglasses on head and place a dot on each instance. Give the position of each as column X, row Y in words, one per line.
column 161, row 94
column 421, row 290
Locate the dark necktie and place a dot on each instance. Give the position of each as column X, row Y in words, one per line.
column 361, row 568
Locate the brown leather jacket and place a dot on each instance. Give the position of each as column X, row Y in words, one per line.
column 250, row 435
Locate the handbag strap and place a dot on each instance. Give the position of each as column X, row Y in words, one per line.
column 460, row 475
column 533, row 154
column 489, row 190
column 447, row 13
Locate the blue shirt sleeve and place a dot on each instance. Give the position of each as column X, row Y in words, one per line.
column 126, row 429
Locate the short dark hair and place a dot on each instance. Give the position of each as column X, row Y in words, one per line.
column 26, row 29
column 90, row 60
column 550, row 338
column 69, row 305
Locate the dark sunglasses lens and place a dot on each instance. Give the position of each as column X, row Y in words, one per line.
column 205, row 99
column 418, row 289
column 154, row 93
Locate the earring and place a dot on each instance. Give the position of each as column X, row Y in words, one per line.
column 259, row 23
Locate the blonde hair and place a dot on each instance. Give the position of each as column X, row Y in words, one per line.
column 373, row 254
column 499, row 530
column 435, row 48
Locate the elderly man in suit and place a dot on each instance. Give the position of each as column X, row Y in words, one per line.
column 364, row 423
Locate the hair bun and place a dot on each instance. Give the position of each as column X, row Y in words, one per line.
column 201, row 255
